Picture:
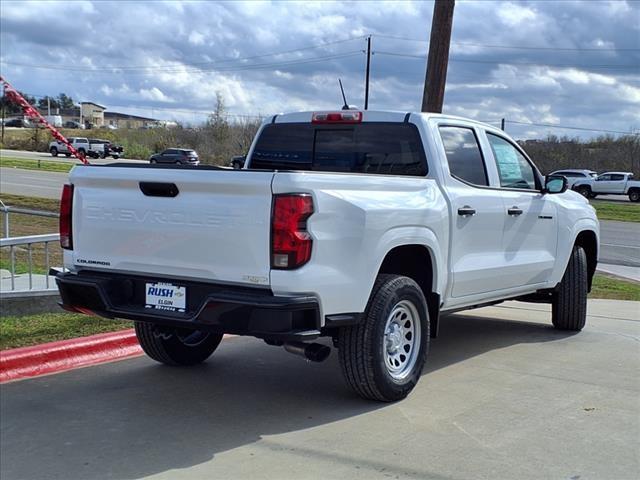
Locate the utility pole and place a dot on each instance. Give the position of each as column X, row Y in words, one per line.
column 502, row 124
column 366, row 81
column 436, row 75
column 48, row 106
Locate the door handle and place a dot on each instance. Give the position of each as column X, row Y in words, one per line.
column 466, row 211
column 514, row 211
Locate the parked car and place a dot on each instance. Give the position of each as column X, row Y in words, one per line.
column 610, row 183
column 362, row 227
column 90, row 147
column 17, row 122
column 108, row 149
column 237, row 162
column 71, row 124
column 177, row 156
column 573, row 175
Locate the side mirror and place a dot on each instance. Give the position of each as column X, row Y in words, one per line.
column 555, row 184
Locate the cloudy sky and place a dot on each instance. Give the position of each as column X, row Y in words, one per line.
column 571, row 63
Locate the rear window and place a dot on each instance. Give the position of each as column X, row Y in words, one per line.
column 374, row 148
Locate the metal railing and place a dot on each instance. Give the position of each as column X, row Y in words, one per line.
column 29, row 241
column 25, row 211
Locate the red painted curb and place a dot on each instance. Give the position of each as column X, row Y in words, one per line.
column 64, row 355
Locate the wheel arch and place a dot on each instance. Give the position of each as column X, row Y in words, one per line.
column 588, row 240
column 417, row 262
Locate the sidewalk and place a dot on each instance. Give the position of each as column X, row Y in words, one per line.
column 622, row 271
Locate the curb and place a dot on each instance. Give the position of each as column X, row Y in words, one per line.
column 63, row 355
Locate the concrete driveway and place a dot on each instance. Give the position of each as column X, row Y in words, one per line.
column 504, row 396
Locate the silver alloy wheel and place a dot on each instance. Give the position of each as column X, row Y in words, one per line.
column 401, row 339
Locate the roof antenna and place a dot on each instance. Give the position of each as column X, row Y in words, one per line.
column 346, row 105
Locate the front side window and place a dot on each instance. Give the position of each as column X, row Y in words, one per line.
column 463, row 155
column 616, row 177
column 604, row 178
column 514, row 169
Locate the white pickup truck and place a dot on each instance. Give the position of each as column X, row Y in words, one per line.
column 363, row 227
column 609, row 183
column 88, row 146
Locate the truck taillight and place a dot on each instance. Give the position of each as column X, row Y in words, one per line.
column 66, row 204
column 290, row 241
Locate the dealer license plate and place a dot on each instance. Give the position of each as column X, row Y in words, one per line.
column 166, row 296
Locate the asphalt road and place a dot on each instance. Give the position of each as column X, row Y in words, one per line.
column 31, row 183
column 620, row 241
column 504, row 396
column 60, row 158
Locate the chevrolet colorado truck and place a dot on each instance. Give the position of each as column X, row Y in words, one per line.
column 609, row 183
column 362, row 227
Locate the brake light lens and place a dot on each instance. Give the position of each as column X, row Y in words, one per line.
column 337, row 117
column 66, row 204
column 290, row 241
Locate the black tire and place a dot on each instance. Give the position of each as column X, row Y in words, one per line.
column 67, row 155
column 54, row 152
column 593, row 195
column 584, row 191
column 152, row 161
column 115, row 157
column 634, row 196
column 569, row 304
column 362, row 348
column 177, row 346
column 82, row 151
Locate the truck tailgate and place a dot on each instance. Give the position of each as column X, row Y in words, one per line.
column 217, row 227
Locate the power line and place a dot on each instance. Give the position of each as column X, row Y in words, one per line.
column 571, row 128
column 239, row 68
column 180, row 66
column 460, row 60
column 515, row 47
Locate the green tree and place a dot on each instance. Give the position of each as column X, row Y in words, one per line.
column 65, row 101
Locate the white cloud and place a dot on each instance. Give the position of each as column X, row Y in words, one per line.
column 154, row 94
column 182, row 53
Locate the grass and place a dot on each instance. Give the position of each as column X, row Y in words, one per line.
column 21, row 225
column 42, row 165
column 621, row 211
column 49, row 327
column 606, row 286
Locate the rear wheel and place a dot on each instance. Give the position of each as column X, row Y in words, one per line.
column 67, row 155
column 634, row 195
column 569, row 304
column 584, row 191
column 176, row 346
column 382, row 357
column 54, row 151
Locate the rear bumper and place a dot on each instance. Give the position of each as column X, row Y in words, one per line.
column 217, row 308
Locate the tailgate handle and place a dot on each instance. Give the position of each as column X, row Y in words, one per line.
column 159, row 189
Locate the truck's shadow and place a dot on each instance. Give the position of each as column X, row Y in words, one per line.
column 135, row 418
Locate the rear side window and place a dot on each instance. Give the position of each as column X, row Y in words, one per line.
column 463, row 155
column 616, row 177
column 374, row 148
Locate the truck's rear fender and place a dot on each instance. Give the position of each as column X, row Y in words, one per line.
column 358, row 220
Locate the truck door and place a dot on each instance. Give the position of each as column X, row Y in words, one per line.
column 477, row 215
column 531, row 226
